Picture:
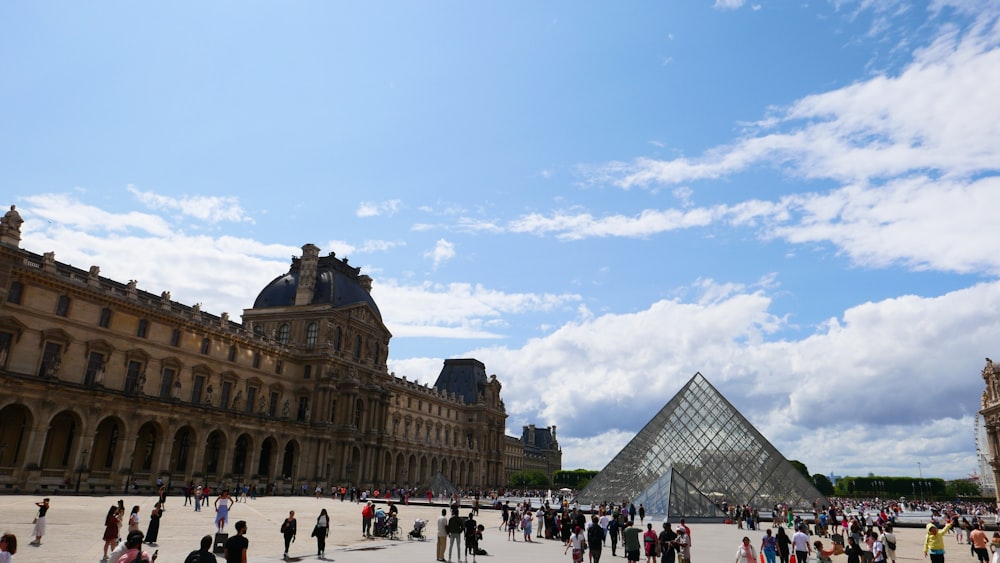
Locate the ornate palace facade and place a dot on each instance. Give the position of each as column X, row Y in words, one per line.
column 991, row 417
column 102, row 383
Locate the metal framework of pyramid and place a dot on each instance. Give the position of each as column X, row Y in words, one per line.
column 695, row 454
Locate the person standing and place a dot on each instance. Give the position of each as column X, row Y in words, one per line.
column 650, row 542
column 889, row 541
column 366, row 519
column 455, row 529
column 613, row 527
column 321, row 531
column 188, row 489
column 744, row 553
column 39, row 530
column 667, row 544
column 442, row 535
column 642, row 514
column 110, row 529
column 684, row 544
column 153, row 531
column 197, row 498
column 784, row 543
column 134, row 552
column 934, row 541
column 288, row 530
column 977, row 537
column 471, row 537
column 8, row 547
column 223, row 503
column 800, row 543
column 133, row 519
column 236, row 546
column 203, row 555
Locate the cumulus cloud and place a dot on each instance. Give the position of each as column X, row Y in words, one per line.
column 378, row 208
column 897, row 375
column 442, row 252
column 212, row 209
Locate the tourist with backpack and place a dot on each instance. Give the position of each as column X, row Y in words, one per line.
column 134, row 553
column 595, row 539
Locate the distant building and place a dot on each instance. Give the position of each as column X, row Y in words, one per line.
column 988, row 439
column 536, row 450
column 104, row 384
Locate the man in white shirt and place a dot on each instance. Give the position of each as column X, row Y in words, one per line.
column 442, row 533
column 800, row 544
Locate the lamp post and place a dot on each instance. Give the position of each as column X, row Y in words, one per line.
column 79, row 470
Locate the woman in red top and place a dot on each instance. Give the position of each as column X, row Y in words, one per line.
column 651, row 542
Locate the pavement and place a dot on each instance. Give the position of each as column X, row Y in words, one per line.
column 75, row 525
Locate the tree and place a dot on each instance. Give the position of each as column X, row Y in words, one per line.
column 529, row 480
column 962, row 488
column 801, row 467
column 822, row 484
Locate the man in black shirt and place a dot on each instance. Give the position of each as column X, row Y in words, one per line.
column 236, row 546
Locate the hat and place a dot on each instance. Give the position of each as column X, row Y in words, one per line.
column 680, row 530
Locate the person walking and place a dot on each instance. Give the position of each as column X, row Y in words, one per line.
column 236, row 547
column 111, row 521
column 614, row 525
column 455, row 529
column 630, row 541
column 288, row 530
column 595, row 539
column 442, row 533
column 650, row 541
column 769, row 546
column 366, row 519
column 800, row 543
column 784, row 544
column 39, row 530
column 578, row 543
column 744, row 553
column 889, row 541
column 202, row 555
column 321, row 530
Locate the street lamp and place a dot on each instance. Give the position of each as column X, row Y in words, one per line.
column 79, row 470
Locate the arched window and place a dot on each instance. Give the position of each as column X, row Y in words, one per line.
column 283, row 331
column 312, row 331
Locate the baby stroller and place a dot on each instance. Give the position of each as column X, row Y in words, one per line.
column 417, row 533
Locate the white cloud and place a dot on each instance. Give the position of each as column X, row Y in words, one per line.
column 442, row 252
column 378, row 208
column 900, row 375
column 728, row 4
column 212, row 209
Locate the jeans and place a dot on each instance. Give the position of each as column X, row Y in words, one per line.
column 452, row 540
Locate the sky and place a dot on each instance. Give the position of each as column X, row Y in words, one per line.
column 596, row 200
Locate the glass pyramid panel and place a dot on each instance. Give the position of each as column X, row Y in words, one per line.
column 699, row 448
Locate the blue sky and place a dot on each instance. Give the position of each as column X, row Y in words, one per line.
column 597, row 200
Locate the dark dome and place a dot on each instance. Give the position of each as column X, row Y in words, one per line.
column 337, row 284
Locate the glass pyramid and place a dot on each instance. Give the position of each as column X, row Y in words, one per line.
column 695, row 454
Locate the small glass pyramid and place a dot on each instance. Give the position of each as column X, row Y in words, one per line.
column 695, row 454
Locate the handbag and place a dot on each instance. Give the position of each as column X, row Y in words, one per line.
column 316, row 531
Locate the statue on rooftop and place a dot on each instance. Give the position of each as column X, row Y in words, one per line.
column 10, row 224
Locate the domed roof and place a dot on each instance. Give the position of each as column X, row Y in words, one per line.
column 336, row 284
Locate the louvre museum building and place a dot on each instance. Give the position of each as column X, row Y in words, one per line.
column 104, row 385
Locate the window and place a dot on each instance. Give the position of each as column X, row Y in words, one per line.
column 333, row 411
column 256, row 360
column 258, row 330
column 199, row 384
column 205, row 345
column 272, row 408
column 312, row 332
column 105, row 319
column 307, row 372
column 95, row 369
column 359, row 408
column 303, row 409
column 232, row 353
column 15, row 292
column 279, row 365
column 51, row 358
column 336, row 339
column 167, row 382
column 143, row 328
column 357, row 346
column 283, row 333
column 227, row 391
column 376, row 356
column 132, row 374
column 62, row 306
column 175, row 337
column 251, row 398
column 6, row 339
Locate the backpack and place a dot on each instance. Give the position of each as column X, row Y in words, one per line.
column 193, row 557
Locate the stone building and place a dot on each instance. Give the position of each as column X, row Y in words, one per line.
column 102, row 383
column 991, row 417
column 536, row 450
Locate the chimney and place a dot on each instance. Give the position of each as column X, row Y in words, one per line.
column 307, row 275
